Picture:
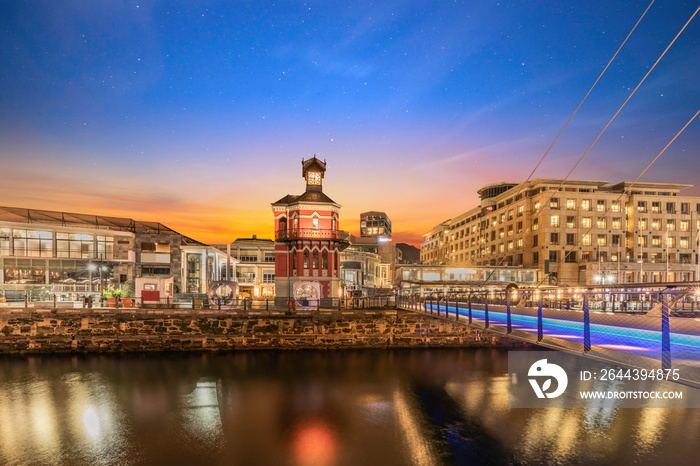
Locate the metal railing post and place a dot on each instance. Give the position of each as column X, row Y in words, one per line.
column 469, row 303
column 486, row 311
column 665, row 334
column 509, row 326
column 456, row 309
column 539, row 318
column 586, row 324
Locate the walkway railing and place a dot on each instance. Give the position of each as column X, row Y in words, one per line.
column 657, row 329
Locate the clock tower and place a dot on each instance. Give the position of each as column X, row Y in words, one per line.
column 308, row 243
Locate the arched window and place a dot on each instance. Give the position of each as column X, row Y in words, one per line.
column 316, row 259
column 306, row 259
column 283, row 224
column 324, row 260
column 294, row 260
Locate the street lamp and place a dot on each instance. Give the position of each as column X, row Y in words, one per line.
column 91, row 268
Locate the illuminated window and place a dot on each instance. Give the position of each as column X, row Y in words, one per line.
column 586, row 240
column 570, row 204
column 684, row 224
column 554, row 221
column 642, row 223
column 602, row 223
column 671, row 225
column 615, row 206
column 315, row 223
column 586, row 222
column 586, row 204
column 683, row 242
column 616, row 223
column 602, row 240
column 671, row 242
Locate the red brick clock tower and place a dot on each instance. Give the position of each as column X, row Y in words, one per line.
column 308, row 243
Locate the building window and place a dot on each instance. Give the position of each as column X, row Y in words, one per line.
column 315, row 223
column 554, row 203
column 641, row 206
column 554, row 238
column 642, row 241
column 655, row 207
column 602, row 240
column 683, row 224
column 510, row 245
column 671, row 225
column 552, row 256
column 554, row 221
column 602, row 223
column 315, row 259
column 586, row 240
column 535, row 240
column 670, row 207
column 570, row 239
column 615, row 206
column 586, row 204
column 535, row 258
column 600, row 205
column 642, row 224
column 656, row 224
column 146, row 270
column 683, row 243
column 586, row 222
column 520, row 242
column 616, row 223
column 685, row 208
column 570, row 257
column 536, row 224
column 671, row 242
column 306, row 258
column 615, row 240
column 570, row 222
column 571, row 204
column 324, row 260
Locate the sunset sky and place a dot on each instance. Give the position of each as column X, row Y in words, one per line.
column 198, row 114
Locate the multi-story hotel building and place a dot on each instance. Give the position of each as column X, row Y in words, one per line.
column 576, row 232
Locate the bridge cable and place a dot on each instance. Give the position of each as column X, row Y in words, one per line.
column 600, row 134
column 624, row 193
column 522, row 185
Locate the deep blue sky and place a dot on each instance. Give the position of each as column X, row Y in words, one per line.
column 197, row 114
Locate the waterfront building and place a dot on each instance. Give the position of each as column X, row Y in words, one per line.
column 375, row 224
column 255, row 270
column 308, row 242
column 426, row 280
column 48, row 252
column 584, row 233
column 360, row 272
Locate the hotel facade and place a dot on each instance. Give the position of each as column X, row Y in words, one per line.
column 576, row 232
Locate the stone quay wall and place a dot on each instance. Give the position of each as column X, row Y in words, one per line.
column 69, row 332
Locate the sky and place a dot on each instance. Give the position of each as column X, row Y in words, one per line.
column 198, row 114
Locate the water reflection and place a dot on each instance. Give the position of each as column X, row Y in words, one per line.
column 311, row 408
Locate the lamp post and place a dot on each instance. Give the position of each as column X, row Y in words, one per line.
column 91, row 268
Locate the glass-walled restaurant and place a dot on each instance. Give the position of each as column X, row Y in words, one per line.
column 62, row 262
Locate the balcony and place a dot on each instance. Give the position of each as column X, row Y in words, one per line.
column 311, row 233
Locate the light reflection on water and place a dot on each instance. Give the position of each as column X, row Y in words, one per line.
column 311, row 408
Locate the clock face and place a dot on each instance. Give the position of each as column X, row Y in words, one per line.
column 313, row 178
